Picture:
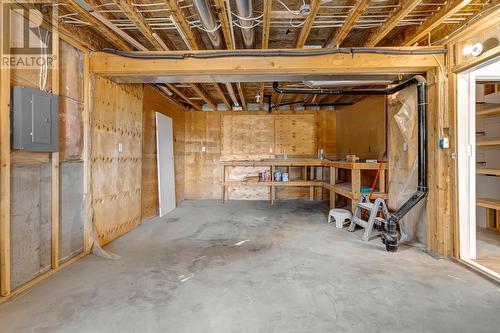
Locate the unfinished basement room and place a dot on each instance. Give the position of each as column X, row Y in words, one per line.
column 249, row 166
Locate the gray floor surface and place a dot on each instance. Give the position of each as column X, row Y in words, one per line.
column 249, row 267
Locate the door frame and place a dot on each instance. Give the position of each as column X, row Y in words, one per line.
column 466, row 156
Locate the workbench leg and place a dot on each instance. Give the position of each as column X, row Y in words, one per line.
column 304, row 173
column 355, row 181
column 311, row 193
column 381, row 181
column 332, row 199
column 223, row 176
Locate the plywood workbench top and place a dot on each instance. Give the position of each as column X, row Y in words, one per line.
column 307, row 162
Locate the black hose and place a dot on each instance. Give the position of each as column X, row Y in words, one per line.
column 273, row 53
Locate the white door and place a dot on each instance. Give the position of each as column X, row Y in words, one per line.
column 165, row 161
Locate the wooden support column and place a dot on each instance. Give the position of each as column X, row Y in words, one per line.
column 355, row 186
column 87, row 197
column 4, row 166
column 55, row 156
column 333, row 179
column 381, row 181
column 223, row 176
column 273, row 188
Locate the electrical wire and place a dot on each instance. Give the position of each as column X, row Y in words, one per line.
column 275, row 53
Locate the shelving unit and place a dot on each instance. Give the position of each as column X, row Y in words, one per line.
column 488, row 172
column 336, row 187
column 488, row 143
column 492, row 212
column 484, row 110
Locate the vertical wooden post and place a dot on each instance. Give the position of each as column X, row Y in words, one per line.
column 87, row 197
column 273, row 188
column 55, row 156
column 4, row 163
column 355, row 186
column 223, row 176
column 381, row 181
column 333, row 179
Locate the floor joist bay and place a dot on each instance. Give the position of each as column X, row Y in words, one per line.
column 249, row 267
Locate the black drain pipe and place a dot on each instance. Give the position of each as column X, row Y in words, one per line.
column 390, row 239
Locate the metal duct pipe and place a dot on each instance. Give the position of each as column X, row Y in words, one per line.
column 245, row 12
column 209, row 23
column 232, row 94
column 390, row 238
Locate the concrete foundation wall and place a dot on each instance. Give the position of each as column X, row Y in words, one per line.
column 30, row 222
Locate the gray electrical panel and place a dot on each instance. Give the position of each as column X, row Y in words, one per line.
column 35, row 120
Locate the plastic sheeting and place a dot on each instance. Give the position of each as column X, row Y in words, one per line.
column 403, row 162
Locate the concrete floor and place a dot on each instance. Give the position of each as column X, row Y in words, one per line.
column 245, row 267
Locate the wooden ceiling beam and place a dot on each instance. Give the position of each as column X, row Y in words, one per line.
column 105, row 31
column 223, row 96
column 112, row 65
column 266, row 23
column 242, row 95
column 406, row 7
column 184, row 24
column 450, row 8
column 224, row 23
column 136, row 17
column 203, row 94
column 358, row 10
column 183, row 96
column 306, row 28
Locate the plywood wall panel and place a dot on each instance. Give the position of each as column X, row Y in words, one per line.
column 116, row 176
column 154, row 101
column 203, row 170
column 295, row 134
column 361, row 128
column 248, row 136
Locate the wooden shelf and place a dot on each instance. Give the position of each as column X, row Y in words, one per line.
column 484, row 110
column 488, row 172
column 257, row 183
column 488, row 203
column 488, row 143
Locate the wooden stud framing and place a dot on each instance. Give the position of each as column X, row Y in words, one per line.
column 201, row 92
column 242, row 95
column 99, row 26
column 406, row 7
column 266, row 23
column 224, row 22
column 450, row 8
column 183, row 23
column 183, row 96
column 358, row 9
column 55, row 156
column 223, row 96
column 4, row 168
column 306, row 28
column 87, row 198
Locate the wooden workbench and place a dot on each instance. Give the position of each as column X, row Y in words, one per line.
column 333, row 184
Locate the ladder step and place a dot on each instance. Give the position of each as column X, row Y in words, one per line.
column 380, row 221
column 360, row 222
column 366, row 205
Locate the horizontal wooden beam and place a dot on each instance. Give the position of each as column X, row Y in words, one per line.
column 137, row 70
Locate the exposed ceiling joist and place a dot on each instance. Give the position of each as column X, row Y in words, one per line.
column 450, row 8
column 223, row 96
column 98, row 25
column 224, row 22
column 266, row 23
column 202, row 93
column 406, row 7
column 358, row 9
column 183, row 96
column 242, row 96
column 184, row 24
column 306, row 28
column 134, row 16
